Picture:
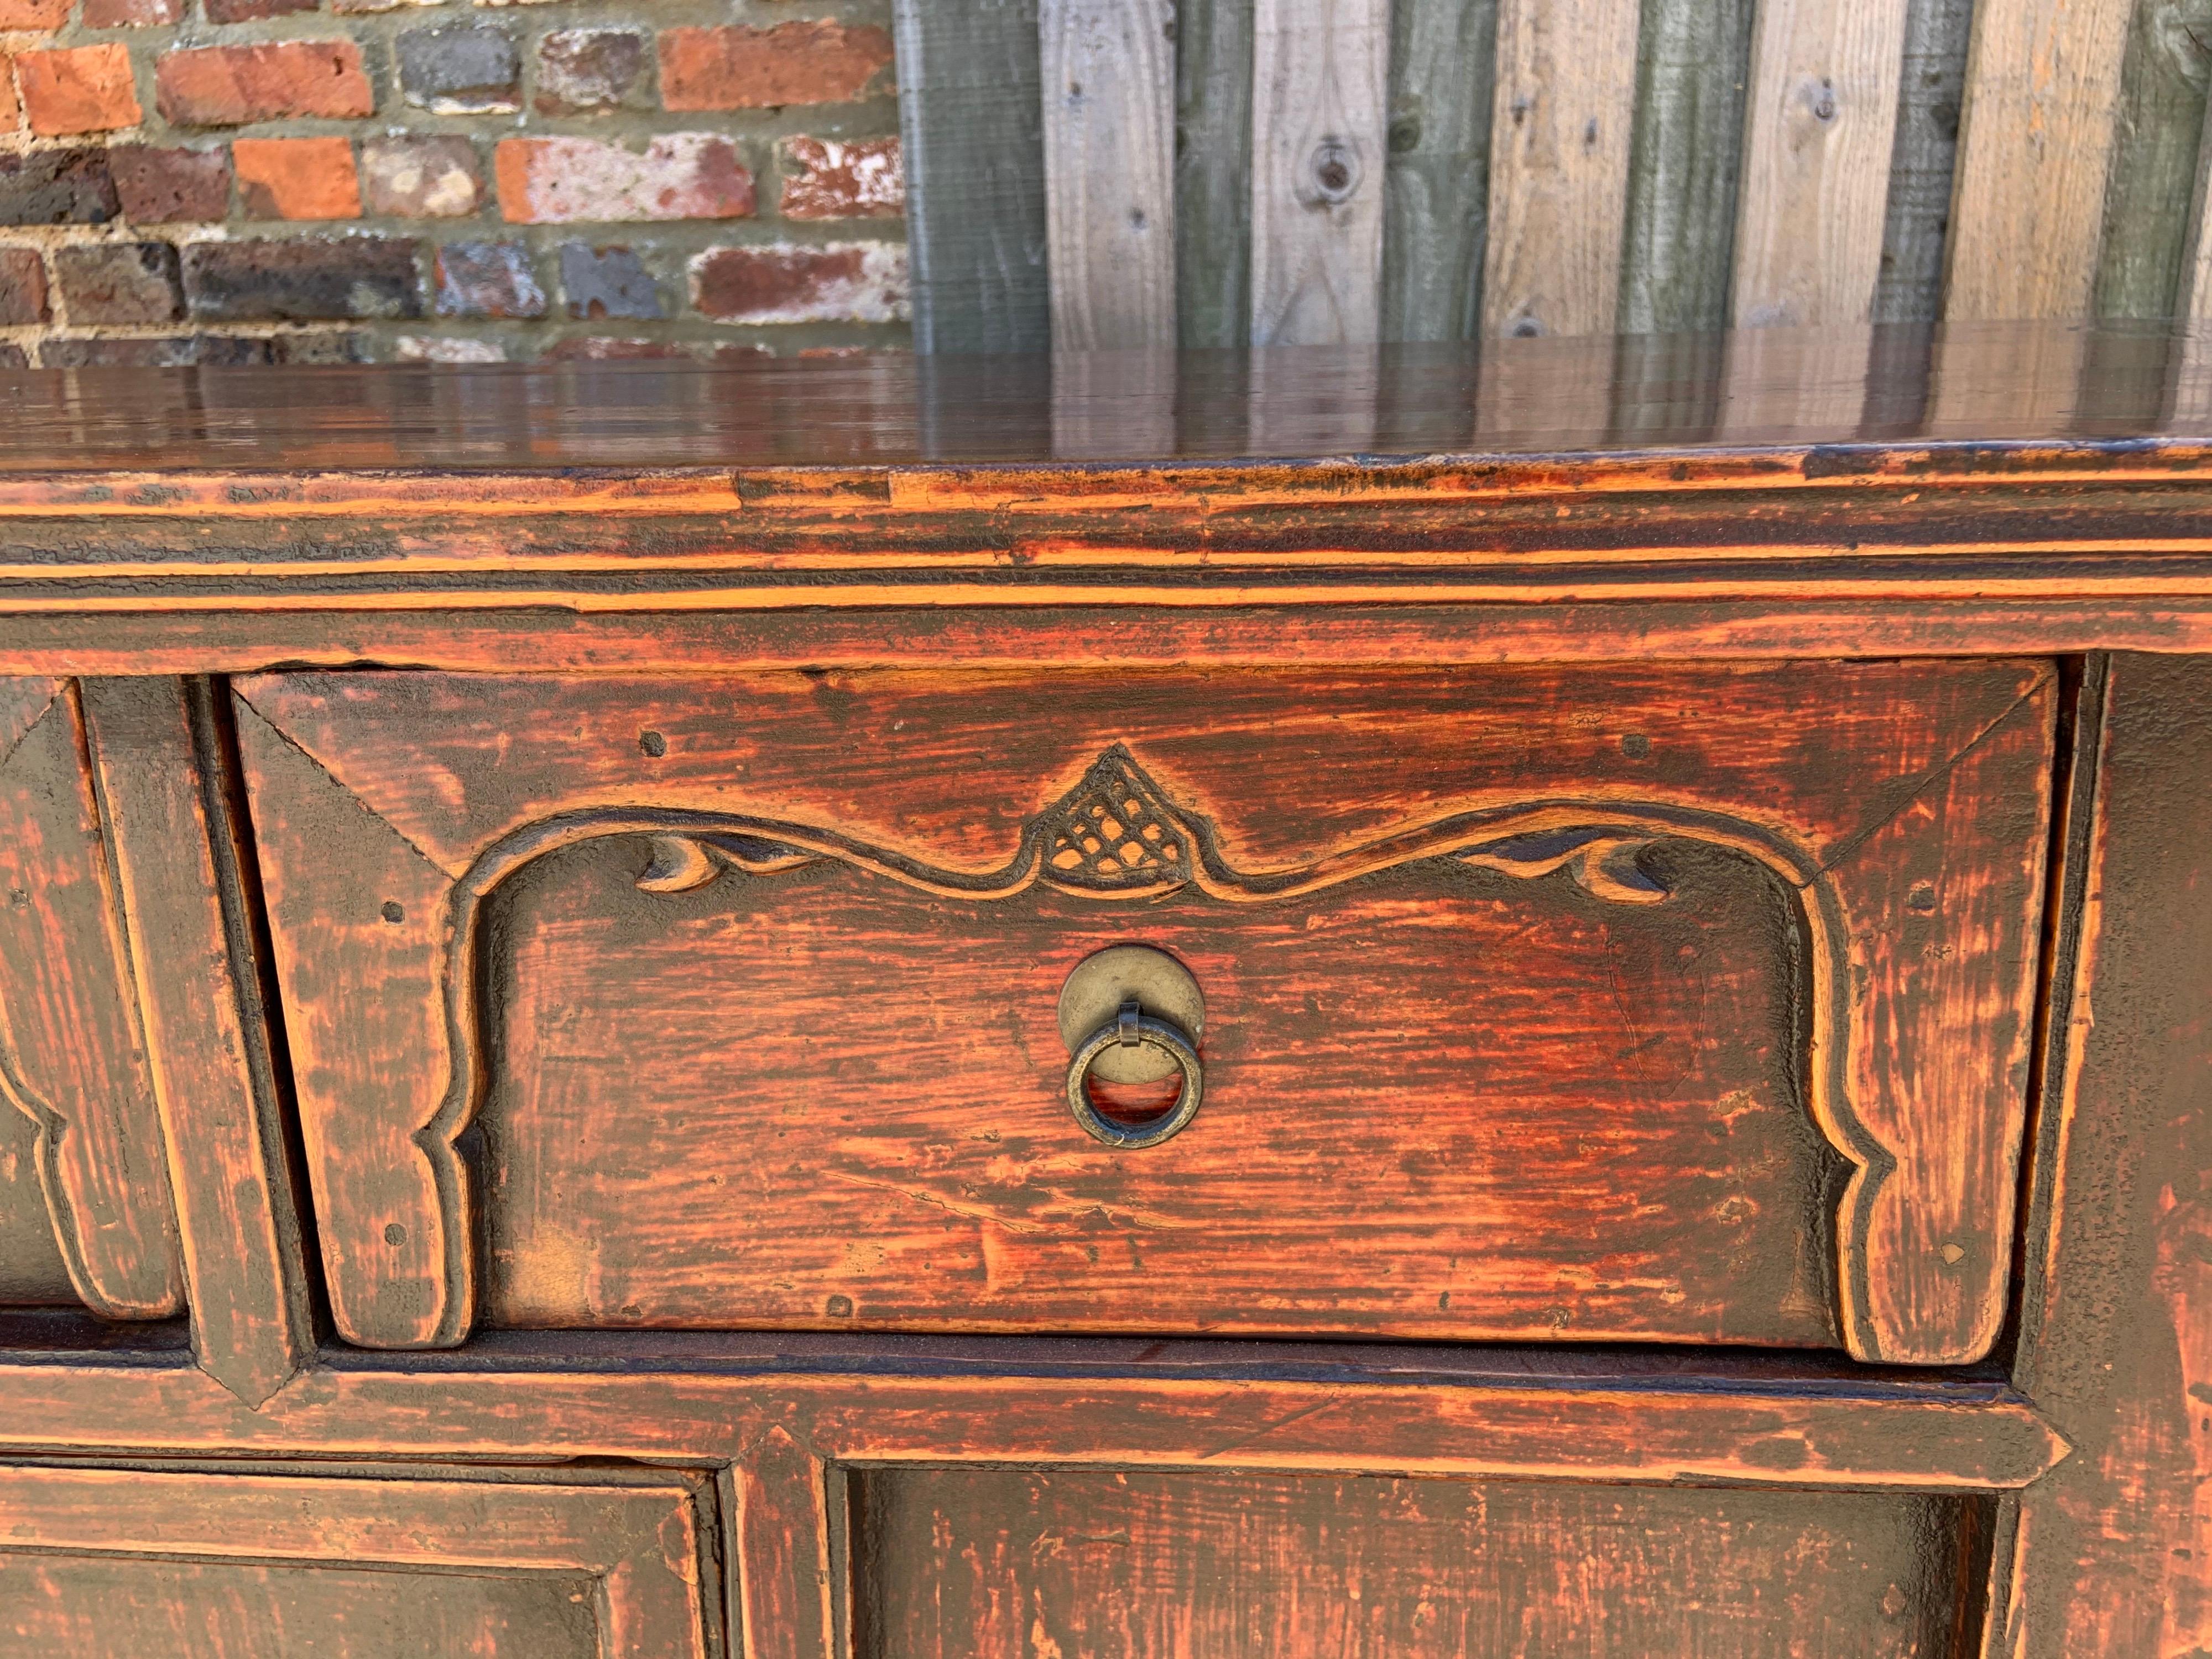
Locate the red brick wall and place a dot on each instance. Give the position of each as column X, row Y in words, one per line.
column 245, row 181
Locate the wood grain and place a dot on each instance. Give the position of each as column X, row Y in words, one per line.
column 2043, row 89
column 1013, row 1563
column 199, row 997
column 269, row 1565
column 1915, row 228
column 1436, row 212
column 1213, row 173
column 73, row 1062
column 1560, row 128
column 1685, row 155
column 2151, row 184
column 1823, row 106
column 319, row 752
column 970, row 104
column 2115, row 1334
column 1320, row 73
column 1108, row 79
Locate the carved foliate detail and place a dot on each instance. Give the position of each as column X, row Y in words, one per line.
column 1113, row 830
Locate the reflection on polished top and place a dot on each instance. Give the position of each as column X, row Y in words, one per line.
column 1887, row 386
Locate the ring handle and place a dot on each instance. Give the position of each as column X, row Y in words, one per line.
column 1130, row 1028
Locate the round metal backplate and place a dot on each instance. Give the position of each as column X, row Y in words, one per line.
column 1102, row 981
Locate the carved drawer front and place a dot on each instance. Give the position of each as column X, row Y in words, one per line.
column 1685, row 1003
column 268, row 1566
column 85, row 1216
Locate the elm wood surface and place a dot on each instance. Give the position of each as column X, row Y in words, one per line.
column 1007, row 1563
column 2116, row 1557
column 1906, row 804
column 363, row 1565
column 162, row 787
column 85, row 1164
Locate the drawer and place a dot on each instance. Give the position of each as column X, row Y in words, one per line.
column 1688, row 1003
column 601, row 1566
column 1001, row 1563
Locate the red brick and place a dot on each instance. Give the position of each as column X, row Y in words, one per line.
column 841, row 283
column 131, row 14
column 296, row 179
column 34, row 13
column 230, row 86
column 120, row 282
column 248, row 11
column 678, row 175
column 737, row 68
column 425, row 176
column 11, row 110
column 825, row 178
column 78, row 90
column 161, row 186
column 22, row 286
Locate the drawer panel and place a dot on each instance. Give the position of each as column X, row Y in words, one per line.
column 1001, row 1563
column 275, row 1566
column 1688, row 1003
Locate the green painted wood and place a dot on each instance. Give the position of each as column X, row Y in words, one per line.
column 971, row 124
column 2152, row 181
column 1443, row 56
column 1911, row 287
column 1212, row 172
column 1693, row 62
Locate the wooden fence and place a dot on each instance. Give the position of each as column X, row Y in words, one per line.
column 1124, row 173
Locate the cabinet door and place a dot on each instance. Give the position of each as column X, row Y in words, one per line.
column 299, row 1566
column 1685, row 1003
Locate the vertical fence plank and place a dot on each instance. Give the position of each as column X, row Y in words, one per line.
column 970, row 111
column 2043, row 86
column 2152, row 189
column 1684, row 154
column 1931, row 85
column 1560, row 125
column 1213, row 171
column 1822, row 129
column 1437, row 203
column 1318, row 83
column 1108, row 69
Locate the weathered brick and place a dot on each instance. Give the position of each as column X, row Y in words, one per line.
column 827, row 179
column 353, row 6
column 11, row 107
column 307, row 280
column 296, row 179
column 162, row 186
column 22, row 286
column 171, row 352
column 34, row 13
column 246, row 11
column 435, row 176
column 12, row 356
column 207, row 350
column 120, row 282
column 488, row 279
column 606, row 281
column 78, row 90
column 57, row 187
column 231, row 86
column 445, row 348
column 597, row 349
column 131, row 14
column 841, row 283
column 580, row 69
column 679, row 175
column 731, row 67
column 472, row 70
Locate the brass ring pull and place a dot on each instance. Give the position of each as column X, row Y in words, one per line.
column 1130, row 1028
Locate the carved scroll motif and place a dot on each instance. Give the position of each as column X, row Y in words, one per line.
column 1117, row 835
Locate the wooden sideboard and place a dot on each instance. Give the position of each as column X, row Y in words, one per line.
column 576, row 1082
